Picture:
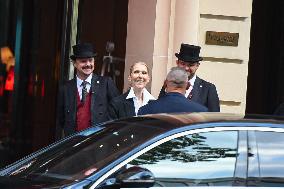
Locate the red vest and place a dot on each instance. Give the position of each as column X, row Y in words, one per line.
column 83, row 113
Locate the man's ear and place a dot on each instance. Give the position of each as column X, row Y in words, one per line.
column 198, row 64
column 165, row 84
column 177, row 63
column 129, row 78
column 74, row 63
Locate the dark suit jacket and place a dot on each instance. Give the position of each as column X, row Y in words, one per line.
column 102, row 90
column 204, row 93
column 170, row 103
column 120, row 107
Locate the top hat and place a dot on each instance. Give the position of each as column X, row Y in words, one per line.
column 189, row 53
column 83, row 50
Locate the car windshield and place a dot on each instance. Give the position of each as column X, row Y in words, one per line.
column 88, row 151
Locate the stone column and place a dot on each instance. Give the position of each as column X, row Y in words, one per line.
column 140, row 34
column 186, row 24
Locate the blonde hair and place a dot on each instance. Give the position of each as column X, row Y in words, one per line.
column 142, row 63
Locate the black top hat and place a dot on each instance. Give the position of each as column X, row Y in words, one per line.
column 189, row 53
column 83, row 50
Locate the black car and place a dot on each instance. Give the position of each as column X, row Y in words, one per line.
column 162, row 150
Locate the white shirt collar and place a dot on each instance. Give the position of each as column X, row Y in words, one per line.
column 131, row 94
column 192, row 80
column 146, row 97
column 80, row 81
column 79, row 84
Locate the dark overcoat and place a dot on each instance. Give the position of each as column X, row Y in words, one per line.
column 120, row 107
column 204, row 93
column 102, row 91
column 171, row 103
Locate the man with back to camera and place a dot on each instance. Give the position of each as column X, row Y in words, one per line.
column 83, row 101
column 173, row 100
column 200, row 91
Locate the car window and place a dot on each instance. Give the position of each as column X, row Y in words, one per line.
column 87, row 152
column 204, row 159
column 269, row 152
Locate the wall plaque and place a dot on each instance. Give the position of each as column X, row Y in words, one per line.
column 222, row 38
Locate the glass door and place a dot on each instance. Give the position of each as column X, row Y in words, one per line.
column 32, row 45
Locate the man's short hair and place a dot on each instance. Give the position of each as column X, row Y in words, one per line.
column 177, row 77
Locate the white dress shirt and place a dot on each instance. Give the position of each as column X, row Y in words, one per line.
column 146, row 97
column 80, row 87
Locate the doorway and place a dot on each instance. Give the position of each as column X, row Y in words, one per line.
column 105, row 21
column 266, row 64
column 37, row 33
column 32, row 34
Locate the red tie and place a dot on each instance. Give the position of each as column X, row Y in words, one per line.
column 190, row 94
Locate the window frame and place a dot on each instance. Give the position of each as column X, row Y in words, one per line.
column 191, row 129
column 254, row 176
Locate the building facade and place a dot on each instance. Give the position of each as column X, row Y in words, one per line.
column 241, row 43
column 157, row 28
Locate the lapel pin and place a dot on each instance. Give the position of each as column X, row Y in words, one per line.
column 200, row 86
column 98, row 82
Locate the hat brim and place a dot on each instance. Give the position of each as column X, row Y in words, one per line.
column 73, row 57
column 188, row 59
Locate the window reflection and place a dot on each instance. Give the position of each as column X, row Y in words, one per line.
column 271, row 158
column 87, row 152
column 199, row 159
column 7, row 74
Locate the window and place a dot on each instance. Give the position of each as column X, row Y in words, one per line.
column 268, row 170
column 204, row 159
column 88, row 151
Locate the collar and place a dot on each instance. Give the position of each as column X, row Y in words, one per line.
column 174, row 94
column 192, row 80
column 146, row 95
column 80, row 81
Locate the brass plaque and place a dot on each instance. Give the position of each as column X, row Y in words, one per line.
column 222, row 38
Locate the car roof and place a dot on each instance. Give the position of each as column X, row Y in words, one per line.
column 181, row 119
column 170, row 121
